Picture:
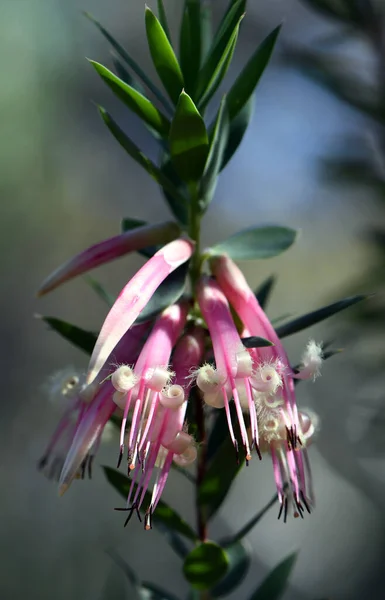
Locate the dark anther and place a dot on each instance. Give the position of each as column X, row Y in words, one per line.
column 83, row 468
column 131, row 510
column 120, row 456
column 257, row 450
column 280, row 511
column 303, row 498
column 285, row 512
column 90, row 461
column 236, row 451
column 42, row 463
column 148, row 519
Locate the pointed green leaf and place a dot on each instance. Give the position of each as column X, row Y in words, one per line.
column 239, row 564
column 236, row 538
column 206, row 30
column 263, row 292
column 221, row 39
column 205, row 565
column 163, row 57
column 174, row 540
column 238, row 128
column 189, row 144
column 256, row 242
column 248, row 79
column 157, row 174
column 100, row 290
column 135, row 101
column 85, row 340
column 218, row 143
column 125, row 76
column 317, row 316
column 130, row 223
column 163, row 19
column 163, row 514
column 179, row 210
column 167, row 293
column 276, row 582
column 256, row 342
column 131, row 63
column 219, row 71
column 190, row 43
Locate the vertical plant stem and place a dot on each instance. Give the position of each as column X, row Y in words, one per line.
column 194, row 231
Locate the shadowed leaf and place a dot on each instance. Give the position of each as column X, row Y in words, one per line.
column 263, row 292
column 276, row 582
column 205, row 565
column 239, row 564
column 85, row 340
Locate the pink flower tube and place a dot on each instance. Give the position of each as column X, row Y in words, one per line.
column 282, row 430
column 134, row 297
column 108, row 250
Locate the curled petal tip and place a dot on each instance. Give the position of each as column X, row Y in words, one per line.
column 63, row 488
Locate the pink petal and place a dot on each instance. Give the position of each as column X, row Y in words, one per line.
column 108, row 250
column 134, row 297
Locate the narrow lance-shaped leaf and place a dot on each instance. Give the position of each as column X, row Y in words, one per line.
column 167, row 293
column 238, row 128
column 125, row 76
column 263, row 292
column 276, row 582
column 221, row 40
column 135, row 101
column 220, row 69
column 205, row 565
column 256, row 242
column 214, row 160
column 239, row 556
column 85, row 340
column 131, row 63
column 255, row 341
column 159, row 175
column 189, row 144
column 163, row 19
column 163, row 57
column 317, row 316
column 164, row 514
column 242, row 533
column 190, row 43
column 249, row 77
column 109, row 250
column 134, row 297
column 100, row 290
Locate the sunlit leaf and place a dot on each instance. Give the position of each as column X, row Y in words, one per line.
column 163, row 56
column 205, row 565
column 317, row 316
column 163, row 514
column 246, row 82
column 130, row 62
column 135, row 101
column 189, row 143
column 256, row 242
column 85, row 340
column 276, row 582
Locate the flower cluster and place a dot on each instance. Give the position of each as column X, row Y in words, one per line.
column 144, row 373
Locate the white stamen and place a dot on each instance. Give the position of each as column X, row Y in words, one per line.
column 120, row 399
column 187, row 458
column 158, row 378
column 123, row 379
column 208, row 379
column 172, row 397
column 245, row 364
column 311, row 361
column 266, row 379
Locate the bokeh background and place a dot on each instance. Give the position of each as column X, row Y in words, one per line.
column 65, row 184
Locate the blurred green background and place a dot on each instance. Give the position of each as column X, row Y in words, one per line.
column 65, row 184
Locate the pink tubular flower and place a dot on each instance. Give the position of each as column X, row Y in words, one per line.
column 282, row 430
column 134, row 297
column 81, row 405
column 157, row 435
column 231, row 378
column 108, row 250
